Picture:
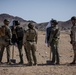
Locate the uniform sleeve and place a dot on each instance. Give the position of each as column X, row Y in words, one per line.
column 71, row 34
column 48, row 31
column 57, row 33
column 9, row 33
column 36, row 37
column 25, row 37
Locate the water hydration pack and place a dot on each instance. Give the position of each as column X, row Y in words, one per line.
column 19, row 33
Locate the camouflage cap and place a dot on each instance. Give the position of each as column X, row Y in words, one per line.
column 73, row 18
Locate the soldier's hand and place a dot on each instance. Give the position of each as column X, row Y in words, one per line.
column 10, row 43
column 48, row 45
column 70, row 42
column 36, row 42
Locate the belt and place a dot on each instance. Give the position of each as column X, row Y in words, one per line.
column 30, row 40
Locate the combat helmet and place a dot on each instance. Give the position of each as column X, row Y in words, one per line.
column 30, row 25
column 54, row 21
column 16, row 22
column 73, row 18
column 6, row 20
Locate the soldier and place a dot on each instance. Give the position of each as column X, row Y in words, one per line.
column 52, row 39
column 30, row 42
column 73, row 37
column 19, row 32
column 8, row 36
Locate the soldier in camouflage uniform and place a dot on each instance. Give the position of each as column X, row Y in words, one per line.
column 73, row 37
column 8, row 36
column 30, row 43
column 53, row 38
column 19, row 33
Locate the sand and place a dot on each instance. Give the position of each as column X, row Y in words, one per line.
column 43, row 55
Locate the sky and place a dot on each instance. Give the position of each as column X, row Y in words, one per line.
column 39, row 10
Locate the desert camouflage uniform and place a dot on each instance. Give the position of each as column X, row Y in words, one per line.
column 7, row 38
column 30, row 43
column 73, row 40
column 53, row 39
column 19, row 44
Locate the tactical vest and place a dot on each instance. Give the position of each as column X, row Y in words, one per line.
column 31, row 33
column 19, row 33
column 54, row 34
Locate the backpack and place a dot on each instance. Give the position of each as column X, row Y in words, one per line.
column 19, row 33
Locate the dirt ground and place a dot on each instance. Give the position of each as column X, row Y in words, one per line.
column 43, row 55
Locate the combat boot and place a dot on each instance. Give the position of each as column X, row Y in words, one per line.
column 20, row 62
column 72, row 63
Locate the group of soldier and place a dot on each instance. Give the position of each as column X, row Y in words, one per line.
column 53, row 34
column 16, row 34
column 29, row 38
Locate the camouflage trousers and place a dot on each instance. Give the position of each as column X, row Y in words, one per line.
column 31, row 49
column 26, row 52
column 3, row 42
column 74, row 49
column 55, row 53
column 8, row 52
column 20, row 43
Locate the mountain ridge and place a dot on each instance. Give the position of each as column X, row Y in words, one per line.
column 63, row 25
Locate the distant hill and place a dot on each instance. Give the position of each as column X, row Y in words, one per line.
column 23, row 22
column 62, row 25
column 10, row 17
column 40, row 26
column 65, row 25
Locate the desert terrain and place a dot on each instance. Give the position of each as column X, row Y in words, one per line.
column 43, row 55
